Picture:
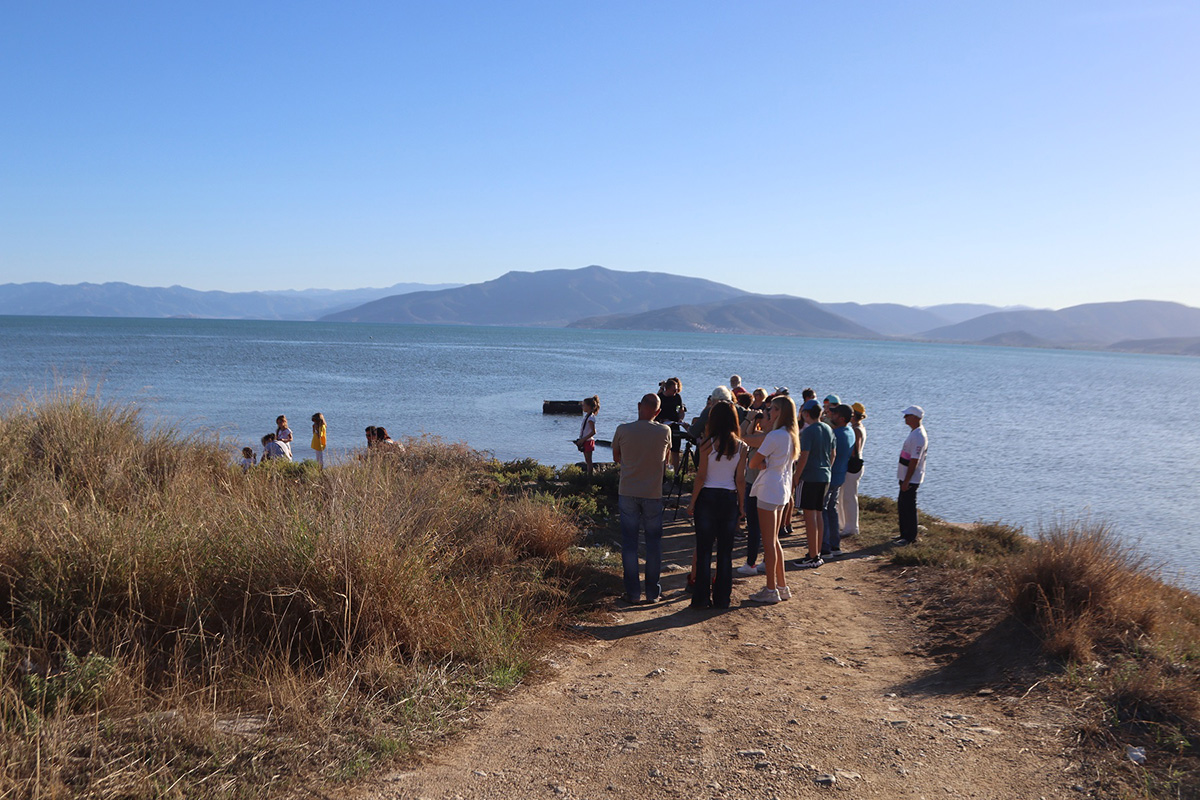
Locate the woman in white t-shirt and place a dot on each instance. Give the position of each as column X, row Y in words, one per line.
column 717, row 504
column 772, row 489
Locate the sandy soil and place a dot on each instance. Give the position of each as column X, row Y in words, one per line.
column 825, row 694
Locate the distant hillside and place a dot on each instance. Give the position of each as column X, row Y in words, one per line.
column 1016, row 339
column 954, row 313
column 1180, row 346
column 779, row 315
column 1091, row 324
column 548, row 297
column 127, row 300
column 890, row 319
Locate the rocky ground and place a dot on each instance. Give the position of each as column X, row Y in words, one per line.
column 833, row 692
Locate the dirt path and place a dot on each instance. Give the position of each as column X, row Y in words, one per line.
column 754, row 702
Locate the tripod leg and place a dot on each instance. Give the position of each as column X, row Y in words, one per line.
column 677, row 481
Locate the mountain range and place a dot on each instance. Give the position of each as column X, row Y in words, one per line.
column 553, row 297
column 599, row 298
column 127, row 300
column 1091, row 324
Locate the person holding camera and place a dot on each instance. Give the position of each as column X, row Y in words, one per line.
column 772, row 488
column 670, row 412
column 754, row 427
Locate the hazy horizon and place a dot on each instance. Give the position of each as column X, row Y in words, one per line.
column 1006, row 307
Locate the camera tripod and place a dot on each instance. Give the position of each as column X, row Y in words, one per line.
column 686, row 458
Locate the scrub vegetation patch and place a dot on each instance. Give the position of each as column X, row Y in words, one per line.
column 171, row 626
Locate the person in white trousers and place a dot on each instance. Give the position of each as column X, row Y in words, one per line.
column 848, row 499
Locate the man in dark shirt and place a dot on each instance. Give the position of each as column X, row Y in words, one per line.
column 670, row 412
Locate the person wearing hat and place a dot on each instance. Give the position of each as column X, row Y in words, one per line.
column 827, row 405
column 815, row 468
column 843, row 448
column 848, row 510
column 719, row 395
column 911, row 474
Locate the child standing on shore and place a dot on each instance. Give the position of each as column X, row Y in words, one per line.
column 318, row 440
column 587, row 432
column 283, row 435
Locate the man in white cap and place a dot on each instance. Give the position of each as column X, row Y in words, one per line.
column 911, row 473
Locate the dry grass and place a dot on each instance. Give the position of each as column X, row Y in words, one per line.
column 1083, row 588
column 173, row 627
column 1120, row 645
column 1132, row 644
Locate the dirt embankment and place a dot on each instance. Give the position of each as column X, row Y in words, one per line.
column 827, row 693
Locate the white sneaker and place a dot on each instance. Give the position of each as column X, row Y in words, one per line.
column 767, row 596
column 747, row 570
column 761, row 569
column 785, row 592
column 846, row 534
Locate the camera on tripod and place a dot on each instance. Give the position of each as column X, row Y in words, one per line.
column 685, row 433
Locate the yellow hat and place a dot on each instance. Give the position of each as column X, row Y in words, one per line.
column 859, row 408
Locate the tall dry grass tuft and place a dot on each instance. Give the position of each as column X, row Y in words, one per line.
column 1083, row 587
column 150, row 593
column 1091, row 597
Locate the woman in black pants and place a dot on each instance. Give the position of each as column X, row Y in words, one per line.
column 717, row 503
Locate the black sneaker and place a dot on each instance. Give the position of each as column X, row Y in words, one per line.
column 900, row 541
column 809, row 563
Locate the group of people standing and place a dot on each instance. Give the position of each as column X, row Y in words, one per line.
column 277, row 446
column 758, row 457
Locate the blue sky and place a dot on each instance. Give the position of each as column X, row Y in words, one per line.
column 919, row 153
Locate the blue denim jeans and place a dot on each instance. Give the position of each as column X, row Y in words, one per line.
column 833, row 530
column 641, row 513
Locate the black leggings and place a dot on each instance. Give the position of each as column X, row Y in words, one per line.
column 716, row 523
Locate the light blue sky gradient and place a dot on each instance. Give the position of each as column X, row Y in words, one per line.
column 1017, row 152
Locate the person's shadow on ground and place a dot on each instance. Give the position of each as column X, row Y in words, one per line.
column 678, row 543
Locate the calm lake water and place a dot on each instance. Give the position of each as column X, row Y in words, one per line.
column 1018, row 435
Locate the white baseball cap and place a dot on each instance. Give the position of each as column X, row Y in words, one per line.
column 916, row 411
